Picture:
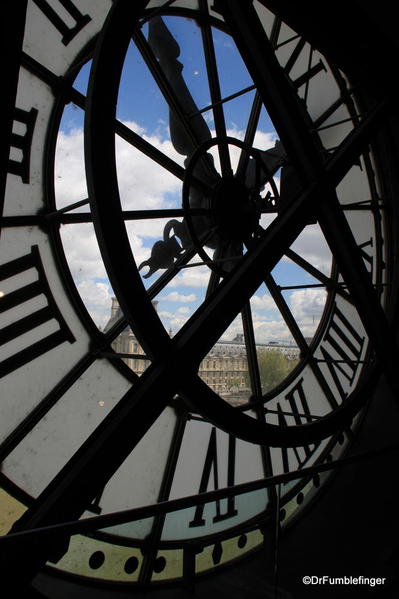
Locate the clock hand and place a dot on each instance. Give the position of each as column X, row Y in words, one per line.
column 187, row 132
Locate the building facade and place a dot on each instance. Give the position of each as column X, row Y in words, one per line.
column 224, row 369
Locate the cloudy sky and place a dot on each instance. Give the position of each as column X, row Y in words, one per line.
column 145, row 185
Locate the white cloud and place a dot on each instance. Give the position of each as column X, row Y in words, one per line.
column 165, row 314
column 143, row 184
column 173, row 320
column 264, row 141
column 97, row 298
column 312, row 246
column 234, row 329
column 308, row 304
column 174, row 296
column 260, row 317
column 70, row 177
column 272, row 330
column 82, row 251
column 197, row 276
column 264, row 330
column 136, row 127
column 263, row 302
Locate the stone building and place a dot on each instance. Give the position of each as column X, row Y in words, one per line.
column 126, row 343
column 224, row 369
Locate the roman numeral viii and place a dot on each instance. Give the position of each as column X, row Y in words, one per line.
column 34, row 293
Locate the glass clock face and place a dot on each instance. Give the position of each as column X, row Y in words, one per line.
column 183, row 224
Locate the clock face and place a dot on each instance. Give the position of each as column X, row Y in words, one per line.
column 216, row 189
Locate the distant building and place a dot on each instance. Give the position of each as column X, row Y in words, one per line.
column 126, row 343
column 224, row 369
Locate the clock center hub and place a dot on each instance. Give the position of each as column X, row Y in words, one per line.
column 235, row 210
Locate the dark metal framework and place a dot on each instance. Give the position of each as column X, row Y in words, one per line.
column 175, row 362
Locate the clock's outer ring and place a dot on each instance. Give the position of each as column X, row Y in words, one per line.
column 119, row 261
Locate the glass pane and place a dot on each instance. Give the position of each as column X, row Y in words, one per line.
column 225, row 368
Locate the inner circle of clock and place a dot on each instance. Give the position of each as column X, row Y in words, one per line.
column 202, row 176
column 234, row 202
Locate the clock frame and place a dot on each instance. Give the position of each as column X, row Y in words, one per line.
column 34, row 259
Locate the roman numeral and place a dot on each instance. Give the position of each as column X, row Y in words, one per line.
column 24, row 293
column 307, row 75
column 95, row 506
column 341, row 349
column 211, row 463
column 311, row 70
column 22, row 143
column 367, row 257
column 299, row 408
column 67, row 31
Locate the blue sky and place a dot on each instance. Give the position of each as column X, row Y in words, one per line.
column 145, row 185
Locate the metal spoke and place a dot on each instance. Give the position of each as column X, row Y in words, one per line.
column 214, row 87
column 153, row 538
column 299, row 338
column 138, row 142
column 70, row 207
column 163, row 213
column 224, row 100
column 308, row 286
column 219, row 257
column 63, row 218
column 151, row 151
column 274, row 87
column 286, row 314
column 256, row 387
column 328, row 282
column 213, row 282
column 165, row 278
column 370, row 205
column 340, row 122
column 210, row 262
column 111, row 354
column 189, row 133
column 252, row 357
column 250, row 133
column 94, row 523
column 28, row 220
column 47, row 403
